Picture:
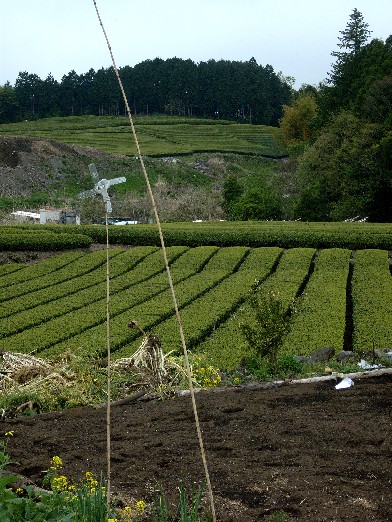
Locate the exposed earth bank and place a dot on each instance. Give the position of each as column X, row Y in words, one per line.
column 299, row 452
column 28, row 165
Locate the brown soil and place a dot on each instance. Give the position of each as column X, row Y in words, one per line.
column 28, row 165
column 299, row 452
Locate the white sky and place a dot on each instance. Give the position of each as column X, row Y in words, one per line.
column 296, row 37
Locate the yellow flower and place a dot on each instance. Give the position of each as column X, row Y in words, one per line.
column 140, row 506
column 19, row 490
column 56, row 462
column 112, row 520
column 127, row 510
column 91, row 482
column 59, row 483
column 9, row 434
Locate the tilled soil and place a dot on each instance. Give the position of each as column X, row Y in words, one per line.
column 298, row 452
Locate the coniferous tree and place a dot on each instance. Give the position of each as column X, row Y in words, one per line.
column 353, row 38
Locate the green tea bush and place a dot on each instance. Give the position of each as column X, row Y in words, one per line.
column 45, row 304
column 154, row 304
column 74, row 322
column 319, row 317
column 79, row 266
column 371, row 296
column 251, row 234
column 226, row 346
column 43, row 241
column 40, row 269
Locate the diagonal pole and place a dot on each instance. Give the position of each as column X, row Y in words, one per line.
column 170, row 280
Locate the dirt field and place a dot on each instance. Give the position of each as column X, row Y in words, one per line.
column 299, row 452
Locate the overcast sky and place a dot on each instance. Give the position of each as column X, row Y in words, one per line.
column 296, row 37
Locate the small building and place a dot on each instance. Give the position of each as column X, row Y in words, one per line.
column 45, row 216
column 60, row 217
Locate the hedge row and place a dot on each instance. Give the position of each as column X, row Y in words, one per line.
column 291, row 275
column 372, row 300
column 43, row 305
column 251, row 234
column 226, row 346
column 154, row 302
column 204, row 314
column 41, row 269
column 43, row 241
column 73, row 322
column 81, row 265
column 9, row 268
column 320, row 316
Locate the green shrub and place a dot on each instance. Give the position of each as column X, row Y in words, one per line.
column 43, row 241
column 285, row 367
column 267, row 325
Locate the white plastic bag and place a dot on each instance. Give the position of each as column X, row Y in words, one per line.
column 344, row 383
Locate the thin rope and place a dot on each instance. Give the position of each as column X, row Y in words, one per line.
column 108, row 420
column 172, row 291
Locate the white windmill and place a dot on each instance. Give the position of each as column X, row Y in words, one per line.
column 101, row 187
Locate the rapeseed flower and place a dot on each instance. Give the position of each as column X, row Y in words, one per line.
column 140, row 506
column 59, row 483
column 56, row 462
column 90, row 481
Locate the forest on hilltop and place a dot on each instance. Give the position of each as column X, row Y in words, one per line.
column 222, row 89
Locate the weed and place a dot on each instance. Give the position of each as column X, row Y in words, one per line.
column 187, row 510
column 285, row 367
column 74, row 381
column 203, row 373
column 64, row 501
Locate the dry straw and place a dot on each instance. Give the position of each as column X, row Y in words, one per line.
column 177, row 313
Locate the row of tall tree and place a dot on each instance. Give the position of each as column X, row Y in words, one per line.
column 219, row 89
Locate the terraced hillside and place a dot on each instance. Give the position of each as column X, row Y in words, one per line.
column 158, row 136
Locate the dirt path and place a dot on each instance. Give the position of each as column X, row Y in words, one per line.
column 307, row 450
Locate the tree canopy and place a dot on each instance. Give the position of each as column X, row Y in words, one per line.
column 345, row 166
column 225, row 89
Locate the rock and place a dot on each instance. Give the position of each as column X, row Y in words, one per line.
column 345, row 356
column 302, row 359
column 385, row 353
column 323, row 354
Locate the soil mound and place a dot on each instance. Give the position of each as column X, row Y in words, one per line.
column 31, row 164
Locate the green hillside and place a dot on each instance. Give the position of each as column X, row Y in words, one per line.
column 158, row 136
